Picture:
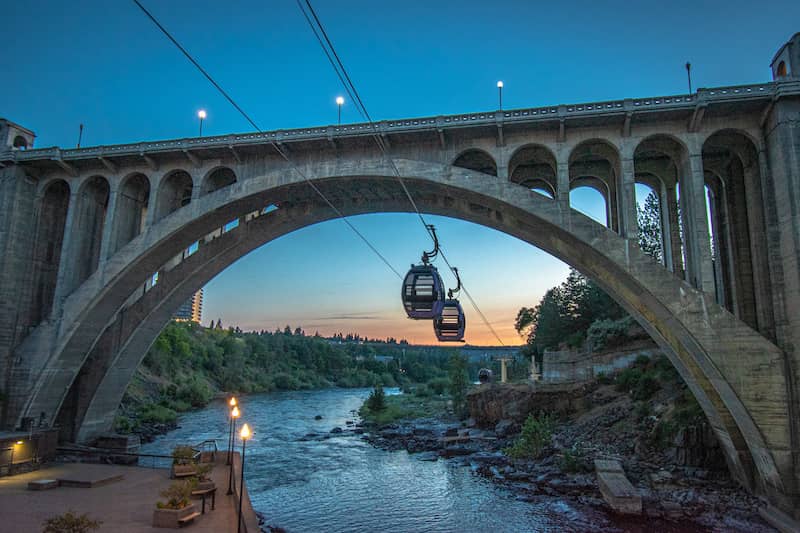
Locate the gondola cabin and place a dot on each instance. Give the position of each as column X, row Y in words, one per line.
column 423, row 292
column 450, row 324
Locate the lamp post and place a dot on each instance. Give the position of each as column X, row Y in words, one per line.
column 339, row 104
column 234, row 416
column 500, row 93
column 232, row 403
column 689, row 75
column 201, row 115
column 245, row 435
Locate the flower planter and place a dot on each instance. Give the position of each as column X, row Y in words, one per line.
column 204, row 485
column 183, row 471
column 170, row 518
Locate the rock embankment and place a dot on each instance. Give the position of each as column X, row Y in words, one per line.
column 679, row 480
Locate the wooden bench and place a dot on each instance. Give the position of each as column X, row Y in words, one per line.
column 188, row 519
column 205, row 492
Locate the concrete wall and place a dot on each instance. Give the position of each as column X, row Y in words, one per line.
column 572, row 367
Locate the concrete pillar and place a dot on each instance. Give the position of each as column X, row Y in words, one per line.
column 562, row 184
column 503, row 370
column 67, row 263
column 673, row 233
column 628, row 222
column 108, row 227
column 696, row 234
column 765, row 317
column 152, row 205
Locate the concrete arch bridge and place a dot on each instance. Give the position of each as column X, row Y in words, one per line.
column 101, row 244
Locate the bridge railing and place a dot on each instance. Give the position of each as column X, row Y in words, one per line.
column 412, row 124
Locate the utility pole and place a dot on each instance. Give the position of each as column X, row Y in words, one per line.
column 80, row 135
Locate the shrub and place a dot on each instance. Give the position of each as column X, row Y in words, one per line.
column 69, row 522
column 377, row 400
column 182, row 455
column 604, row 379
column 439, row 385
column 573, row 460
column 177, row 495
column 645, row 388
column 203, row 471
column 194, row 392
column 535, row 436
column 642, row 410
column 608, row 333
column 628, row 379
column 423, row 391
column 157, row 414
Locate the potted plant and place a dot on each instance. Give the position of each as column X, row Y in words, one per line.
column 183, row 464
column 177, row 508
column 203, row 481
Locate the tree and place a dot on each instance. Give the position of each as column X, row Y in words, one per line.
column 565, row 314
column 458, row 383
column 649, row 218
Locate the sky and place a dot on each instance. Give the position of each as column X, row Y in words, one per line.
column 103, row 64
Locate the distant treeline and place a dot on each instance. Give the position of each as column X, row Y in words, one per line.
column 189, row 364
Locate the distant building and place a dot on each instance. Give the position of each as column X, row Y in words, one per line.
column 191, row 309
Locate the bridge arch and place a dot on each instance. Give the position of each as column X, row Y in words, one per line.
column 594, row 160
column 712, row 350
column 50, row 223
column 130, row 214
column 174, row 191
column 216, row 179
column 477, row 160
column 534, row 166
column 733, row 174
column 91, row 206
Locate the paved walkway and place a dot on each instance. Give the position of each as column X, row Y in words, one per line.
column 123, row 506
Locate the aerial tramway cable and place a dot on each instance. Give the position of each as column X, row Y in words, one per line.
column 271, row 142
column 345, row 79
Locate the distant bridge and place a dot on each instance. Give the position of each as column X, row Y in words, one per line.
column 101, row 244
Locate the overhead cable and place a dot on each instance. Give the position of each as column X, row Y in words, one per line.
column 344, row 77
column 272, row 142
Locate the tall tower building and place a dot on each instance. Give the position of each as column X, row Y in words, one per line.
column 192, row 309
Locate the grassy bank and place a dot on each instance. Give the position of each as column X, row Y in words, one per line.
column 406, row 407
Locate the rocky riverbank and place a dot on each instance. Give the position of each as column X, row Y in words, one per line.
column 677, row 467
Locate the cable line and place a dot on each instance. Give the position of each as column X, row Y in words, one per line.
column 271, row 142
column 349, row 86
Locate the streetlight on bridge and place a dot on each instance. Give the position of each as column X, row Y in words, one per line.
column 339, row 104
column 201, row 115
column 500, row 93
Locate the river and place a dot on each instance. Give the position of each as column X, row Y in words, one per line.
column 343, row 484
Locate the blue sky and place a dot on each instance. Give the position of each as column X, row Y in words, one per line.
column 103, row 64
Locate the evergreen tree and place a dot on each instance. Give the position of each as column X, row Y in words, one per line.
column 649, row 218
column 458, row 382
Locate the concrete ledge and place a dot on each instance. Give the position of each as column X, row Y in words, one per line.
column 43, row 484
column 617, row 491
column 89, row 482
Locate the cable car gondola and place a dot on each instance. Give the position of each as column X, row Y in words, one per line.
column 423, row 289
column 450, row 324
